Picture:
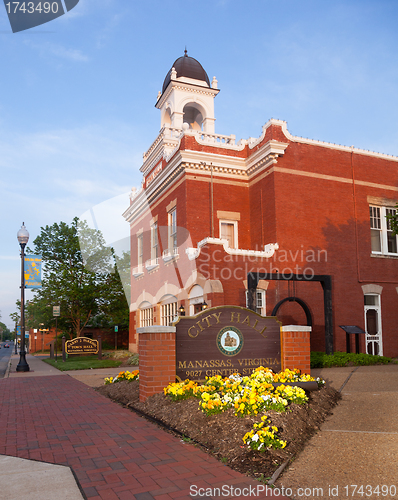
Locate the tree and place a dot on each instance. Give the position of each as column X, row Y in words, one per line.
column 5, row 332
column 77, row 270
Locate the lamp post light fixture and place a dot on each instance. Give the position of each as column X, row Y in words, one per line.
column 181, row 310
column 204, row 305
column 23, row 238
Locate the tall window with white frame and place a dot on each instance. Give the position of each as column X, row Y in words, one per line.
column 140, row 250
column 383, row 241
column 154, row 242
column 168, row 313
column 260, row 302
column 146, row 317
column 229, row 232
column 173, row 231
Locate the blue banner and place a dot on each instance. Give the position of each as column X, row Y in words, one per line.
column 32, row 271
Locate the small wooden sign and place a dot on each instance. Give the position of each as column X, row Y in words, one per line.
column 225, row 340
column 81, row 345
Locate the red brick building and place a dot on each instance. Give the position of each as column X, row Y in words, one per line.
column 212, row 209
column 39, row 340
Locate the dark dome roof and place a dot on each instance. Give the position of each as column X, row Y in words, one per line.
column 188, row 67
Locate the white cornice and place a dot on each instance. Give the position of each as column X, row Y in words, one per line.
column 271, row 148
column 187, row 87
column 330, row 145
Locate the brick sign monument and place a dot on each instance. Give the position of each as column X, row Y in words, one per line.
column 218, row 341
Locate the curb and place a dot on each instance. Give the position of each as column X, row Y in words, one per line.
column 7, row 373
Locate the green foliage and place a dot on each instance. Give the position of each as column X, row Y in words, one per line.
column 323, row 360
column 106, row 346
column 7, row 335
column 79, row 274
column 134, row 360
column 393, row 220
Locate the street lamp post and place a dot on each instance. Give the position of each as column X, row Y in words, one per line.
column 23, row 238
column 16, row 338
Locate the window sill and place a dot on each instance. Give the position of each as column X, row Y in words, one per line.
column 384, row 256
column 170, row 254
column 138, row 272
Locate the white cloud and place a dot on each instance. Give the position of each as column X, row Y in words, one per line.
column 71, row 54
column 61, row 52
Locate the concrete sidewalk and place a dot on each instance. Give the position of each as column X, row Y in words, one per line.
column 37, row 368
column 357, row 445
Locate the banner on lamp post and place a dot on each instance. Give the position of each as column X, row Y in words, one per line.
column 32, row 270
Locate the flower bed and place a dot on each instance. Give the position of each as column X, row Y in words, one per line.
column 123, row 376
column 249, row 395
column 221, row 434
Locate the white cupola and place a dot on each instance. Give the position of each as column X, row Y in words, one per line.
column 187, row 97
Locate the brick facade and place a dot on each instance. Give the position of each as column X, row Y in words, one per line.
column 311, row 198
column 40, row 340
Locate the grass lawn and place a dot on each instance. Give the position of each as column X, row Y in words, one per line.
column 82, row 363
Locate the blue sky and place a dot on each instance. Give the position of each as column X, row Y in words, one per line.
column 77, row 94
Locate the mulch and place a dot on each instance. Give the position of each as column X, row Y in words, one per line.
column 221, row 435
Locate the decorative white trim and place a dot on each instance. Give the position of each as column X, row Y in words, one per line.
column 269, row 250
column 193, row 87
column 295, row 328
column 376, row 289
column 331, row 145
column 170, row 254
column 152, row 264
column 156, row 329
column 138, row 271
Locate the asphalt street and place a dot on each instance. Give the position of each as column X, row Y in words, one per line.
column 5, row 354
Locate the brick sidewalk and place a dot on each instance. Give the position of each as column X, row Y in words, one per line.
column 114, row 453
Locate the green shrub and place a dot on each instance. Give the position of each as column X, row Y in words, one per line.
column 133, row 360
column 323, row 360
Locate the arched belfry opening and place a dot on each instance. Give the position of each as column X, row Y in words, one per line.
column 193, row 116
column 187, row 97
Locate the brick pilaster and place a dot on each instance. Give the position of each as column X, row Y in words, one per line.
column 157, row 365
column 296, row 347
